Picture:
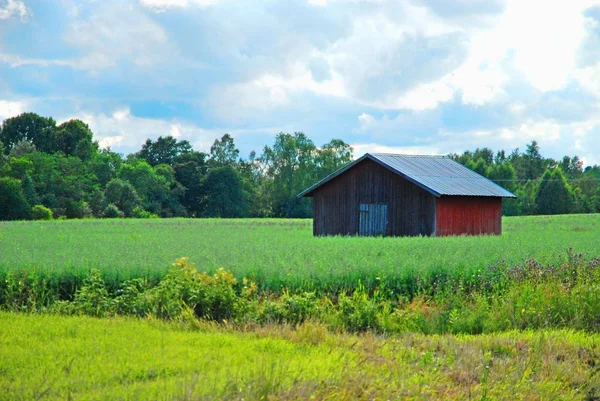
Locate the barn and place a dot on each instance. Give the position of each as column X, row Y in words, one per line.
column 406, row 195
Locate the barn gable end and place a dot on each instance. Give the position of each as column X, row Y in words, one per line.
column 410, row 209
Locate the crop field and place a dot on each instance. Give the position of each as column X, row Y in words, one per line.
column 281, row 254
column 263, row 310
column 54, row 357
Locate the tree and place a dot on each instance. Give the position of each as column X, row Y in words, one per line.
column 554, row 194
column 156, row 187
column 223, row 152
column 572, row 167
column 22, row 148
column 29, row 127
column 13, row 205
column 332, row 156
column 164, row 150
column 190, row 173
column 122, row 194
column 533, row 161
column 502, row 174
column 290, row 166
column 105, row 165
column 223, row 193
column 74, row 138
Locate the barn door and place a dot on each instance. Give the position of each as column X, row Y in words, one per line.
column 373, row 219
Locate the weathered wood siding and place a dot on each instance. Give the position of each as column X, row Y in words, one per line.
column 410, row 209
column 471, row 215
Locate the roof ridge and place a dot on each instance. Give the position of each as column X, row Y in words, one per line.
column 409, row 155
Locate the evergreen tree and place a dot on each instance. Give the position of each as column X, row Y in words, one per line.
column 554, row 194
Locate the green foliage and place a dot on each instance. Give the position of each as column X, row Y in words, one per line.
column 209, row 296
column 164, row 150
column 13, row 204
column 223, row 152
column 223, row 194
column 140, row 213
column 29, row 127
column 112, row 211
column 40, row 212
column 123, row 195
column 554, row 194
column 359, row 312
column 74, row 138
column 93, row 298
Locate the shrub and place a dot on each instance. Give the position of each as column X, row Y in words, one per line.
column 77, row 209
column 211, row 297
column 359, row 312
column 140, row 213
column 40, row 212
column 111, row 212
column 93, row 298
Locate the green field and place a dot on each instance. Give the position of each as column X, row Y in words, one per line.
column 283, row 253
column 332, row 318
column 80, row 358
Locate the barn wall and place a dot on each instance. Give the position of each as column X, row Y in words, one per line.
column 411, row 210
column 456, row 215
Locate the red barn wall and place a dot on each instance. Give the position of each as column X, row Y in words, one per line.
column 456, row 215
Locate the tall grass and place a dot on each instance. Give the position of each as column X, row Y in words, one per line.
column 280, row 254
column 57, row 358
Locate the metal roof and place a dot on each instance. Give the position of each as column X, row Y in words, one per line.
column 438, row 175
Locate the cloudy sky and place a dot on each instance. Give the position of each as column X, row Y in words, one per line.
column 414, row 76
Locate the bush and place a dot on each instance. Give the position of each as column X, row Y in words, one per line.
column 93, row 298
column 211, row 297
column 77, row 209
column 140, row 213
column 111, row 212
column 360, row 312
column 40, row 212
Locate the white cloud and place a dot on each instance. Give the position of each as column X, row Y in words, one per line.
column 10, row 8
column 127, row 132
column 162, row 5
column 116, row 32
column 11, row 108
column 268, row 92
column 362, row 148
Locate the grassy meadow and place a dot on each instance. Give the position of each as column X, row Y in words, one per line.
column 262, row 310
column 81, row 358
column 280, row 254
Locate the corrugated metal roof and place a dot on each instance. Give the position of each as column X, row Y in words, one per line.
column 439, row 175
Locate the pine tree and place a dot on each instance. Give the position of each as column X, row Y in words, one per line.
column 554, row 194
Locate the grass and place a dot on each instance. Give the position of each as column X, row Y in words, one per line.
column 50, row 357
column 282, row 253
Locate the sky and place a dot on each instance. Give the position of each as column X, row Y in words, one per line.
column 414, row 76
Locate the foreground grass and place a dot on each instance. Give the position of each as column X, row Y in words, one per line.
column 282, row 253
column 52, row 357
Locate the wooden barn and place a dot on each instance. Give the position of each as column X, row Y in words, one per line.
column 406, row 195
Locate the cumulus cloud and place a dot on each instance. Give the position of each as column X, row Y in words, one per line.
column 11, row 108
column 116, row 32
column 127, row 132
column 12, row 8
column 428, row 75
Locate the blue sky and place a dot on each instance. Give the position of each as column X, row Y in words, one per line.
column 414, row 76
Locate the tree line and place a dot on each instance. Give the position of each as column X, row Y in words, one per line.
column 542, row 185
column 59, row 171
